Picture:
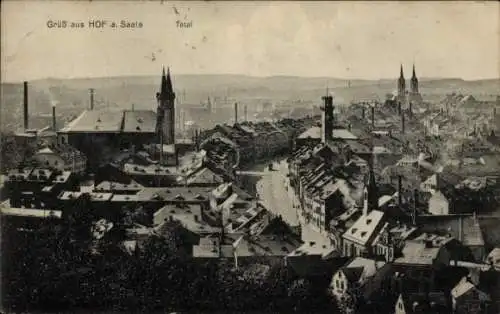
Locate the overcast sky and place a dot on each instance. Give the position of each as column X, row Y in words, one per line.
column 344, row 40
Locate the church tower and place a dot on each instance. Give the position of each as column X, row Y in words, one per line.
column 414, row 82
column 401, row 85
column 165, row 124
column 327, row 119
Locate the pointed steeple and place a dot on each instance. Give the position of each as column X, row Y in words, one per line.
column 401, row 75
column 166, row 83
column 414, row 75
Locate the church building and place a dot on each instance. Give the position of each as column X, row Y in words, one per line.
column 100, row 133
column 413, row 95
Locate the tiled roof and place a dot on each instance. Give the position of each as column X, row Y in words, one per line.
column 96, row 121
column 139, row 121
column 464, row 228
column 416, row 253
column 364, row 228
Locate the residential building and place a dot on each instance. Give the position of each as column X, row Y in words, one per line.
column 61, row 157
column 467, row 298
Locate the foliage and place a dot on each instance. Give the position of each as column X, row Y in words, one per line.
column 54, row 269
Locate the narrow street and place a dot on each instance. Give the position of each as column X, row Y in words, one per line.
column 275, row 193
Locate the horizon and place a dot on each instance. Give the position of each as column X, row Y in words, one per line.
column 248, row 75
column 347, row 40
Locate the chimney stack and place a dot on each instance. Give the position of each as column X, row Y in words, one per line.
column 235, row 112
column 363, row 112
column 399, row 107
column 403, row 123
column 410, row 109
column 246, row 113
column 26, row 113
column 91, row 99
column 54, row 123
column 400, row 190
column 373, row 116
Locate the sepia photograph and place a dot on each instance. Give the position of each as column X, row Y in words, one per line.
column 250, row 157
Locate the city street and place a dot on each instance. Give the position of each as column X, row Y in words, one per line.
column 277, row 196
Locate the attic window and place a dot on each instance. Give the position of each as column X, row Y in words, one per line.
column 98, row 119
column 138, row 128
column 368, row 221
column 139, row 120
column 353, row 231
column 363, row 233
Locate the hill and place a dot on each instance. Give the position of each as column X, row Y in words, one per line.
column 71, row 95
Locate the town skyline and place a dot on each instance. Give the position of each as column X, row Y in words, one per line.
column 335, row 40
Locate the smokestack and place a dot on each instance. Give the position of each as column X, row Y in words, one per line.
column 26, row 119
column 54, row 123
column 410, row 109
column 400, row 190
column 91, row 99
column 415, row 200
column 246, row 113
column 235, row 112
column 403, row 124
column 363, row 113
column 399, row 107
column 373, row 116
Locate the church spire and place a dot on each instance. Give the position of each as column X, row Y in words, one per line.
column 166, row 83
column 401, row 75
column 414, row 75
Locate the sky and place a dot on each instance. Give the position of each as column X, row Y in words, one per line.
column 364, row 40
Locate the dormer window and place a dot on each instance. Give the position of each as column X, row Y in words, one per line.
column 363, row 234
column 353, row 231
column 368, row 221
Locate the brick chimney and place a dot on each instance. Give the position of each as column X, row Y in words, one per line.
column 403, row 123
column 400, row 190
column 235, row 112
column 373, row 116
column 25, row 106
column 54, row 123
column 363, row 112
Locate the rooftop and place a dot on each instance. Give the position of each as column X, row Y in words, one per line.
column 194, row 194
column 28, row 212
column 96, row 121
column 418, row 253
column 139, row 121
column 117, row 186
column 364, row 228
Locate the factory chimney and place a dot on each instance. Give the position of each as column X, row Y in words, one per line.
column 400, row 190
column 246, row 113
column 373, row 116
column 54, row 123
column 235, row 112
column 403, row 124
column 363, row 112
column 410, row 109
column 25, row 104
column 399, row 107
column 91, row 99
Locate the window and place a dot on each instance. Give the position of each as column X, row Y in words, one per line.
column 337, row 283
column 342, row 285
